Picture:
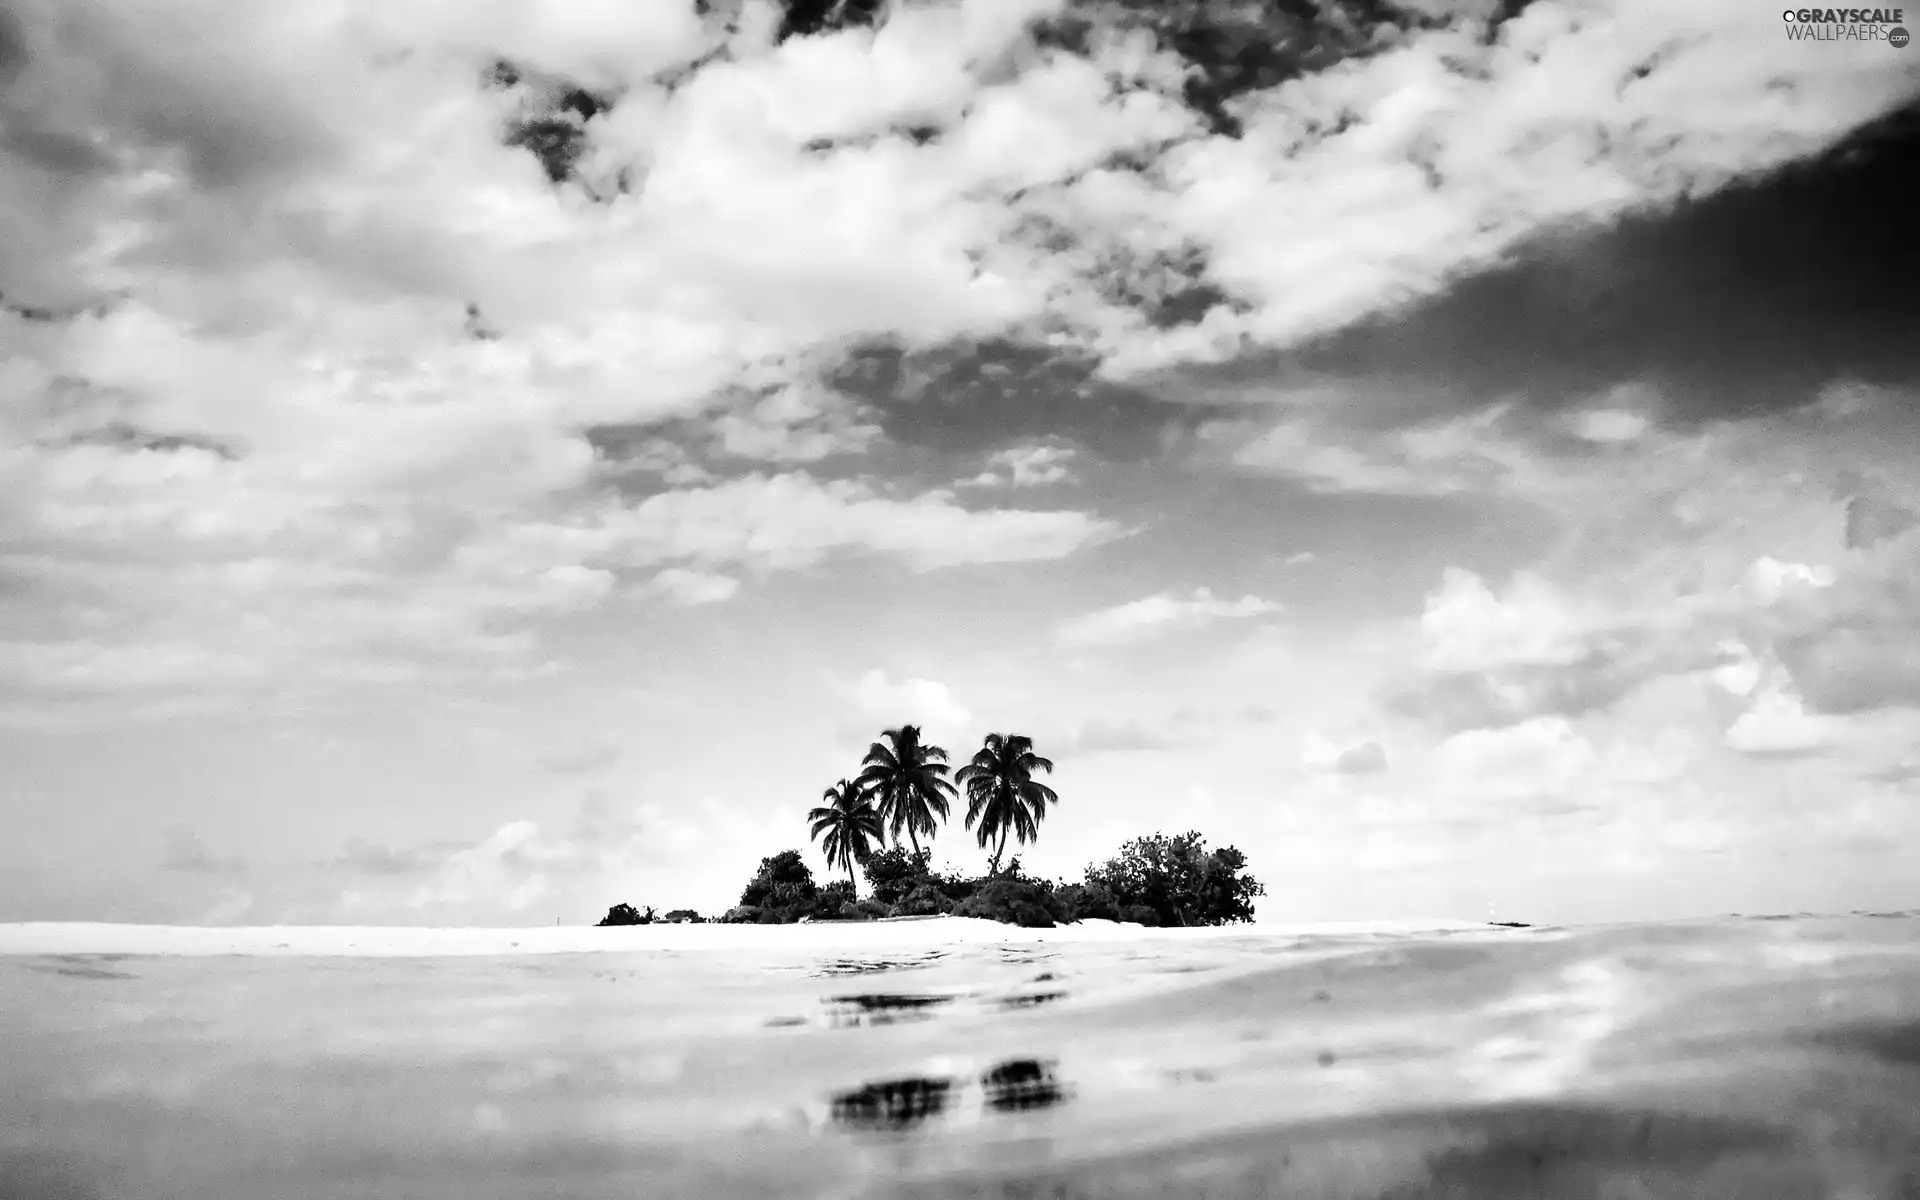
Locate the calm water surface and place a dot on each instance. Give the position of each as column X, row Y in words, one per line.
column 1741, row 1059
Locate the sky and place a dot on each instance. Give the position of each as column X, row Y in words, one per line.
column 475, row 463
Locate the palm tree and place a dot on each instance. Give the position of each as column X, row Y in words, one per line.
column 851, row 824
column 1002, row 795
column 908, row 781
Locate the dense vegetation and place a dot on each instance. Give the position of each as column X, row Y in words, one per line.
column 1157, row 880
column 903, row 788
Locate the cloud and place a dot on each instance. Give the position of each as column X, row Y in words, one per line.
column 1026, row 466
column 879, row 701
column 1541, row 757
column 1444, row 150
column 1467, row 626
column 1123, row 736
column 690, row 589
column 261, row 442
column 581, row 758
column 1365, row 757
column 1157, row 616
column 523, row 867
column 185, row 852
column 1182, row 729
column 792, row 521
column 1452, row 456
column 1777, row 723
column 361, row 856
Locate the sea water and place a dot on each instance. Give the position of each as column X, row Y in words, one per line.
column 1743, row 1058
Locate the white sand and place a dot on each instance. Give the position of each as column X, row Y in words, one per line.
column 382, row 941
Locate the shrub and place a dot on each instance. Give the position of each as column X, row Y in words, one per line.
column 1161, row 880
column 828, row 901
column 953, row 885
column 853, row 912
column 745, row 914
column 895, row 872
column 782, row 878
column 683, row 914
column 873, row 909
column 1014, row 901
column 924, row 901
column 625, row 914
column 1083, row 901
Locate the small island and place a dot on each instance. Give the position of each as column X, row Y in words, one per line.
column 902, row 793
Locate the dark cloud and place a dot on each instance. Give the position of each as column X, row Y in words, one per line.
column 1873, row 515
column 1744, row 302
column 121, row 435
column 809, row 18
column 1367, row 758
column 145, row 83
column 554, row 125
column 1233, row 48
column 1456, row 701
column 1854, row 670
column 967, row 398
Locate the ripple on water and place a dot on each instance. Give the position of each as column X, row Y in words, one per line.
column 874, row 966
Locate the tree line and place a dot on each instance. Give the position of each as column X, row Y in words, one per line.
column 903, row 791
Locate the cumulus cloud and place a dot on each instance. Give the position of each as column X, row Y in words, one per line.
column 1319, row 754
column 1676, row 553
column 691, row 589
column 790, row 521
column 1467, row 626
column 1157, row 616
column 261, row 435
column 526, row 867
column 1777, row 722
column 877, row 697
column 1443, row 151
column 1026, row 466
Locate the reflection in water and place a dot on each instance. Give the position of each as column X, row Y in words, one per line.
column 881, row 1008
column 1894, row 1045
column 1022, row 1084
column 1031, row 999
column 892, row 1104
column 1735, row 1060
column 31, row 1175
column 896, row 1104
column 87, row 971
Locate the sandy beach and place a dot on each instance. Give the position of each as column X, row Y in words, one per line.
column 54, row 937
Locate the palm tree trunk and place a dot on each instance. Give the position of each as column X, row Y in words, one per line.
column 999, row 850
column 914, row 839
